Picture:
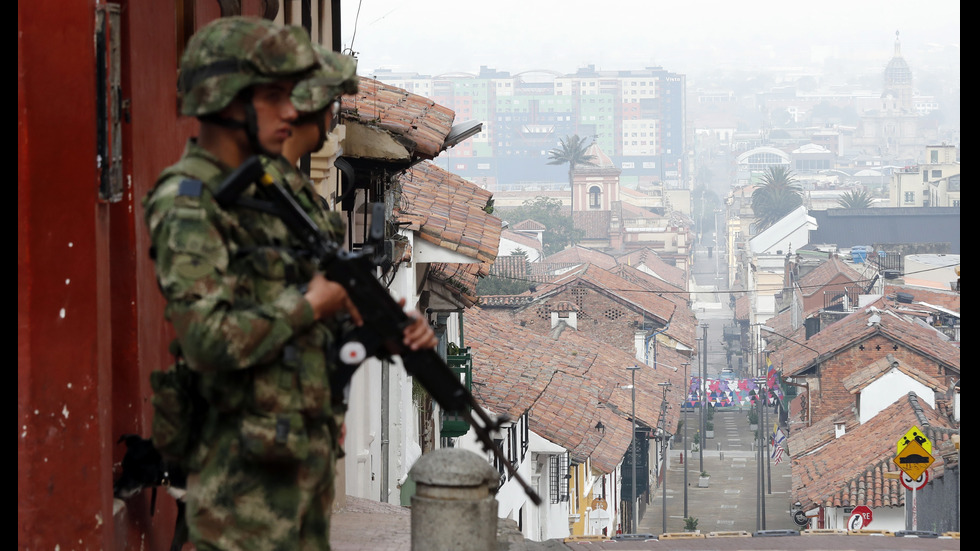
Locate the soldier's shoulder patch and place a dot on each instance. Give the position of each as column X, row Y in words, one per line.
column 188, row 187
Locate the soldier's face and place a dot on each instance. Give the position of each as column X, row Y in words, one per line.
column 274, row 114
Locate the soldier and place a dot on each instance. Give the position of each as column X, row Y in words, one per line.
column 254, row 320
column 317, row 100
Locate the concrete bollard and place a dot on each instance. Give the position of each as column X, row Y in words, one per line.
column 454, row 508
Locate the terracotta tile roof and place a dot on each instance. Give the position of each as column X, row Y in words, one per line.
column 529, row 225
column 649, row 259
column 684, row 322
column 610, row 284
column 856, row 327
column 742, row 308
column 458, row 279
column 825, row 273
column 848, row 471
column 595, row 223
column 511, row 266
column 563, row 379
column 581, row 255
column 420, row 124
column 643, row 278
column 857, row 381
column 448, row 211
column 804, row 439
column 505, row 301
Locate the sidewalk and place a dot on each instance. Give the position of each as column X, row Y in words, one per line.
column 365, row 525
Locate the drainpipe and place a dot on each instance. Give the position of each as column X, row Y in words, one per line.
column 385, row 432
column 646, row 344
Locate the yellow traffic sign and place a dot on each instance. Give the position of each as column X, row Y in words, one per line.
column 914, row 435
column 914, row 459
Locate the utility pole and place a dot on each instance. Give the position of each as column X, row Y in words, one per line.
column 704, row 391
column 633, row 370
column 687, row 388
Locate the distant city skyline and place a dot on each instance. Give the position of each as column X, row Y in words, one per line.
column 442, row 36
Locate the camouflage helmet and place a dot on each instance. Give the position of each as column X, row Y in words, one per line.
column 336, row 76
column 230, row 54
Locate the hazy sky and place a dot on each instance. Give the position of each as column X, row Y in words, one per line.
column 440, row 36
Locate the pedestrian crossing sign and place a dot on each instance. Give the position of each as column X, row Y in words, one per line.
column 916, row 435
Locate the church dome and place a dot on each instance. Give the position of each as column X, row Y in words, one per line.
column 897, row 73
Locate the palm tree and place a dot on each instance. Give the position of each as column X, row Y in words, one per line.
column 779, row 195
column 571, row 150
column 855, row 199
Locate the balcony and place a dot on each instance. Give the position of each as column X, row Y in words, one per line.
column 454, row 423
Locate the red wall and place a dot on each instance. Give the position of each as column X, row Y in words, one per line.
column 90, row 317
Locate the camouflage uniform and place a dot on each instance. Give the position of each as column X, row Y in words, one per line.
column 261, row 475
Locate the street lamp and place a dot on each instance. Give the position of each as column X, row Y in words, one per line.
column 633, row 369
column 704, row 392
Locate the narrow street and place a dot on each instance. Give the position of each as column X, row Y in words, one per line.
column 731, row 500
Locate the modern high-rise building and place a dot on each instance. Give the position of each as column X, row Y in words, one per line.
column 637, row 117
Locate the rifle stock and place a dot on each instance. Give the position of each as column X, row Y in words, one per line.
column 384, row 320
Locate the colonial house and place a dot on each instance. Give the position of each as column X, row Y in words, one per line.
column 847, row 460
column 573, row 393
column 820, row 364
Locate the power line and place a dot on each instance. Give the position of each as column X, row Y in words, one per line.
column 537, row 282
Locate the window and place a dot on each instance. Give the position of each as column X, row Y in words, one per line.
column 909, row 196
column 934, row 156
column 594, row 197
column 558, row 471
column 937, row 173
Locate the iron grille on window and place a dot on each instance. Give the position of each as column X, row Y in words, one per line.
column 558, row 471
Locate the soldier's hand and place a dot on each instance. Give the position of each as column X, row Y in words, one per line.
column 329, row 298
column 419, row 335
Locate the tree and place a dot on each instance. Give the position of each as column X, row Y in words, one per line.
column 506, row 285
column 779, row 195
column 559, row 232
column 855, row 199
column 571, row 151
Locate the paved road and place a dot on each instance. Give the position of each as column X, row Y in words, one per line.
column 730, row 502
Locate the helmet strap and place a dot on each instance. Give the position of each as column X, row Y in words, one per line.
column 319, row 117
column 252, row 124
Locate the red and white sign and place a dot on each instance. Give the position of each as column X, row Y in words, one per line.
column 915, row 483
column 860, row 517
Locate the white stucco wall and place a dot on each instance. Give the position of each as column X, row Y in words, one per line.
column 888, row 388
column 882, row 518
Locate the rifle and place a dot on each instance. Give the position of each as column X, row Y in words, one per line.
column 384, row 319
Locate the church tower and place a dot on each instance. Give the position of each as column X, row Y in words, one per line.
column 896, row 95
column 596, row 186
